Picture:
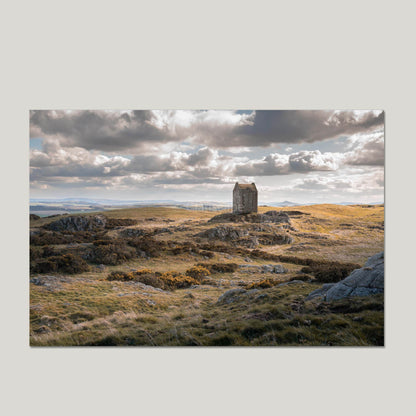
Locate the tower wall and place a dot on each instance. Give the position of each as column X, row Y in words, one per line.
column 244, row 200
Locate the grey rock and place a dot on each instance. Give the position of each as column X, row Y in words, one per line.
column 291, row 282
column 369, row 280
column 267, row 268
column 223, row 233
column 249, row 242
column 133, row 232
column 231, row 295
column 278, row 268
column 262, row 296
column 276, row 217
column 78, row 223
column 321, row 292
column 273, row 268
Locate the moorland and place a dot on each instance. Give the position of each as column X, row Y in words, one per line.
column 161, row 276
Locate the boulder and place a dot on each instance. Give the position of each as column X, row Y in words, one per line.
column 231, row 295
column 369, row 280
column 78, row 223
column 266, row 268
column 133, row 232
column 276, row 217
column 223, row 233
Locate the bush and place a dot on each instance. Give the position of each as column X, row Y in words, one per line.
column 167, row 281
column 208, row 254
column 186, row 247
column 119, row 222
column 63, row 237
column 141, row 272
column 35, row 253
column 220, row 267
column 66, row 263
column 330, row 272
column 121, row 276
column 263, row 284
column 224, row 248
column 198, row 273
column 172, row 280
column 149, row 245
column 105, row 242
column 264, row 255
column 151, row 280
column 112, row 254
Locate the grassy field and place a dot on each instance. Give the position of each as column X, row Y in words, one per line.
column 86, row 308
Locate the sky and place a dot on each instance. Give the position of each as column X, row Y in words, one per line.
column 302, row 156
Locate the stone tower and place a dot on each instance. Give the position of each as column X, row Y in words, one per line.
column 244, row 198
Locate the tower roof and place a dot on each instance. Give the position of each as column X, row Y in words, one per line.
column 251, row 186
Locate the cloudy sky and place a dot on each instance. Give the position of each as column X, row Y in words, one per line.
column 301, row 156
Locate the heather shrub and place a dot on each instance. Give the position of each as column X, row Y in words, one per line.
column 264, row 255
column 105, row 242
column 330, row 272
column 149, row 245
column 186, row 247
column 151, row 279
column 112, row 254
column 66, row 263
column 140, row 272
column 224, row 248
column 121, row 276
column 173, row 280
column 198, row 273
column 167, row 281
column 44, row 237
column 220, row 267
column 119, row 222
column 263, row 284
column 48, row 251
column 35, row 253
column 208, row 254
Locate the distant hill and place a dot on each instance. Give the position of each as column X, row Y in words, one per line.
column 46, row 207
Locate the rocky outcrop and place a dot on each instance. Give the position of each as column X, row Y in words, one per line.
column 78, row 223
column 369, row 280
column 275, row 217
column 223, row 233
column 275, row 239
column 266, row 268
column 244, row 236
column 231, row 296
column 134, row 232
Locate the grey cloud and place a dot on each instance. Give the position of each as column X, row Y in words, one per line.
column 100, row 130
column 297, row 126
column 124, row 131
column 300, row 162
